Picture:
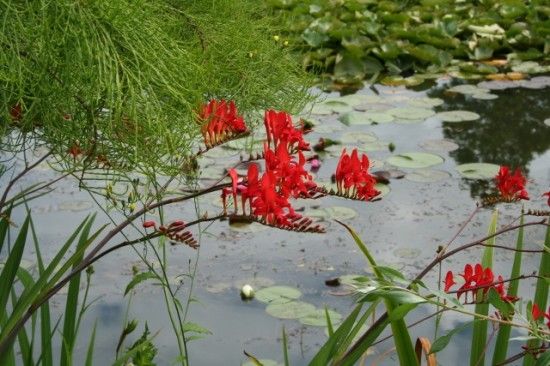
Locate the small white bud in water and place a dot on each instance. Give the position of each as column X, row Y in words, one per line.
column 247, row 292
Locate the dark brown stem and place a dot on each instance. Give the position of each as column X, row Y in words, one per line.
column 27, row 169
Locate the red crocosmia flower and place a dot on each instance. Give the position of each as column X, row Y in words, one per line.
column 478, row 278
column 353, row 178
column 291, row 177
column 449, row 281
column 548, row 195
column 150, row 223
column 536, row 312
column 511, row 186
column 271, row 205
column 278, row 126
column 220, row 122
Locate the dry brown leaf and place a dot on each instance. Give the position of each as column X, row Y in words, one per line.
column 424, row 344
column 496, row 62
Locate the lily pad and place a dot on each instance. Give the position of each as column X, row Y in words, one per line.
column 439, row 145
column 407, row 253
column 318, row 318
column 330, row 106
column 478, row 170
column 427, row 175
column 358, row 137
column 426, row 102
column 335, row 213
column 468, row 89
column 484, row 96
column 355, row 118
column 383, row 188
column 278, row 294
column 379, row 118
column 375, row 146
column 245, row 227
column 289, row 310
column 458, row 116
column 413, row 113
column 414, row 160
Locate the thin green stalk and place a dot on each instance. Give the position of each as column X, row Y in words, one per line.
column 504, row 331
column 541, row 294
column 479, row 332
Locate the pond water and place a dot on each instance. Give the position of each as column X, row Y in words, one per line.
column 416, row 215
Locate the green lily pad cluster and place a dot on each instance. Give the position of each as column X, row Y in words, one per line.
column 282, row 302
column 356, row 39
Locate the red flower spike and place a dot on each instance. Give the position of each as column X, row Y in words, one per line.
column 536, row 312
column 511, row 186
column 353, row 178
column 220, row 122
column 150, row 223
column 234, row 181
column 278, row 126
column 548, row 195
column 449, row 281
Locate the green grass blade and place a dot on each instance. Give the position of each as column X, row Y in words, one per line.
column 504, row 331
column 7, row 276
column 45, row 317
column 479, row 336
column 285, row 348
column 327, row 351
column 356, row 328
column 71, row 305
column 402, row 339
column 4, row 226
column 541, row 292
column 91, row 345
column 25, row 347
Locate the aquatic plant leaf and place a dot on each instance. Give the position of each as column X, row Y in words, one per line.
column 289, row 310
column 458, row 116
column 439, row 145
column 359, row 137
column 427, row 175
column 278, row 294
column 318, row 318
column 478, row 170
column 414, row 160
column 412, row 113
column 425, row 102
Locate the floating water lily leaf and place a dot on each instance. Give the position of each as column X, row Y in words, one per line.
column 538, row 82
column 318, row 318
column 529, row 67
column 439, row 145
column 244, row 227
column 255, row 282
column 219, row 152
column 358, row 99
column 335, row 212
column 467, row 89
column 355, row 118
column 427, row 175
column 289, row 310
column 413, row 113
column 426, row 102
column 458, row 116
column 478, row 170
column 358, row 137
column 414, row 160
column 407, row 253
column 375, row 146
column 278, row 294
column 370, row 107
column 383, row 188
column 378, row 117
column 484, row 96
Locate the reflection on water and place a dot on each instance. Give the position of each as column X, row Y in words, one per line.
column 510, row 132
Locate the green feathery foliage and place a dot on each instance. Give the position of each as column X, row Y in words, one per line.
column 123, row 79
